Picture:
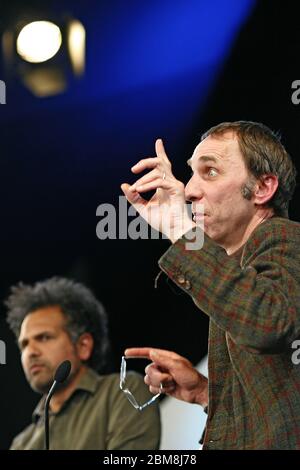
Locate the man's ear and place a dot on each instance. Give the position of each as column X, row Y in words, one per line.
column 265, row 188
column 84, row 346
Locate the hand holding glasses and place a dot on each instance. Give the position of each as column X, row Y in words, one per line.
column 128, row 393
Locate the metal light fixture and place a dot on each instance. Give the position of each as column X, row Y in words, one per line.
column 40, row 52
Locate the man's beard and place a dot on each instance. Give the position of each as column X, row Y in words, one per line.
column 41, row 380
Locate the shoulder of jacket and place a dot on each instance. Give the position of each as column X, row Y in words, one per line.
column 274, row 232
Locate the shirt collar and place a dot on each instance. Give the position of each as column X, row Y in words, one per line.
column 88, row 384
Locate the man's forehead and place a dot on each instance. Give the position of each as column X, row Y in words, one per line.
column 49, row 318
column 219, row 147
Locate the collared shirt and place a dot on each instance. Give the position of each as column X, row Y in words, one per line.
column 96, row 416
column 254, row 308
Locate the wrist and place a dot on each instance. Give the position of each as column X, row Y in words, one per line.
column 202, row 395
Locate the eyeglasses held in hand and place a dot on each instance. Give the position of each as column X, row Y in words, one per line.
column 127, row 392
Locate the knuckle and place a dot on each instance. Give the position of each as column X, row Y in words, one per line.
column 149, row 370
column 147, row 379
column 153, row 389
column 178, row 362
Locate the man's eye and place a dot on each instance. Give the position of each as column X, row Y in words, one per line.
column 45, row 337
column 212, row 172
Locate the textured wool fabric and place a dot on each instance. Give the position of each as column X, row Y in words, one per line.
column 253, row 302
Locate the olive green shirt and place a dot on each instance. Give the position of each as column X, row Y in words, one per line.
column 96, row 416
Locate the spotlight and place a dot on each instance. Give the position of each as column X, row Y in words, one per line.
column 39, row 41
column 44, row 53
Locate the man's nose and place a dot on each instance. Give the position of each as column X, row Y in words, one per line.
column 32, row 350
column 193, row 192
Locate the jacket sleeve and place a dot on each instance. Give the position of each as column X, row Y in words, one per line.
column 258, row 302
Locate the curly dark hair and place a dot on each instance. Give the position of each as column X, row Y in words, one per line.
column 83, row 312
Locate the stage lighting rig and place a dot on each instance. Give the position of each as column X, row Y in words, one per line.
column 44, row 52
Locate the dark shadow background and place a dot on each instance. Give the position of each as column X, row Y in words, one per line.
column 160, row 70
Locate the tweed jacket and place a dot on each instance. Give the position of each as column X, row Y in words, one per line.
column 254, row 307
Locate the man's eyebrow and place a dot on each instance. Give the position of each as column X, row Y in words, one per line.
column 203, row 158
column 24, row 341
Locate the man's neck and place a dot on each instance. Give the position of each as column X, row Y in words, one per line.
column 258, row 219
column 61, row 396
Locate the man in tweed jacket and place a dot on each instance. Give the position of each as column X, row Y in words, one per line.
column 246, row 277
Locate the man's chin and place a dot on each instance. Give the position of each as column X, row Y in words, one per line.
column 39, row 385
column 41, row 389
